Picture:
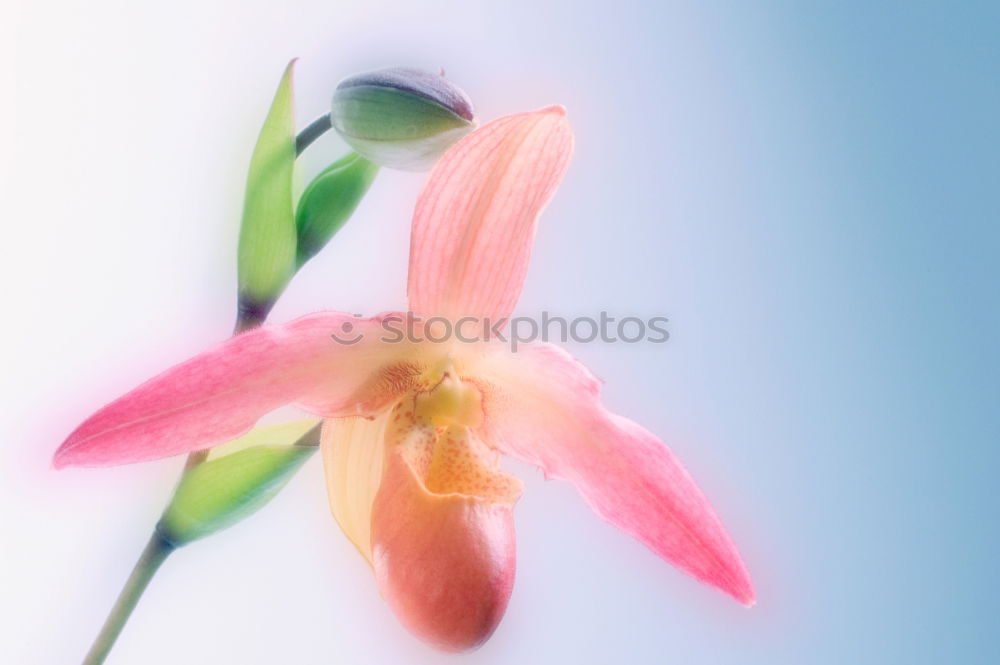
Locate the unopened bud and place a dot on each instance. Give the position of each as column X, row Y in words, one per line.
column 401, row 117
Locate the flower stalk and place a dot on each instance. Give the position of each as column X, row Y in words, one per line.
column 156, row 552
column 316, row 128
column 159, row 548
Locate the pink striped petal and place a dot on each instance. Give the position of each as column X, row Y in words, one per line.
column 474, row 222
column 543, row 407
column 221, row 393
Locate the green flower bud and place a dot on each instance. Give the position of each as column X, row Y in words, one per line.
column 400, row 117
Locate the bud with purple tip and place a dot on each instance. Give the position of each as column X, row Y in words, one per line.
column 401, row 117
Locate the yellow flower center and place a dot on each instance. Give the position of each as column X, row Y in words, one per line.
column 434, row 430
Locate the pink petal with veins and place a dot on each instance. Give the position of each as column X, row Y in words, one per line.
column 543, row 407
column 221, row 393
column 474, row 223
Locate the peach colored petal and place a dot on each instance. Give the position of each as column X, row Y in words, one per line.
column 221, row 393
column 543, row 407
column 445, row 563
column 474, row 222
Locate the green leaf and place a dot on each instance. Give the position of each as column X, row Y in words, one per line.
column 329, row 201
column 264, row 435
column 266, row 259
column 227, row 489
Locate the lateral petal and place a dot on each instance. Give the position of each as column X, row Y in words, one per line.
column 219, row 394
column 543, row 407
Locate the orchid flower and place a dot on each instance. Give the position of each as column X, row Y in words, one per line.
column 413, row 430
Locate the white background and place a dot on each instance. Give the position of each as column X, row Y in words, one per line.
column 769, row 179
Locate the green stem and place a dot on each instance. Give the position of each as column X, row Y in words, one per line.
column 315, row 129
column 153, row 556
column 158, row 549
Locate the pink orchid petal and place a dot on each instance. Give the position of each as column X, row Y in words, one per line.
column 542, row 406
column 474, row 222
column 221, row 393
column 445, row 563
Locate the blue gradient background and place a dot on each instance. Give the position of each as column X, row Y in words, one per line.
column 808, row 190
